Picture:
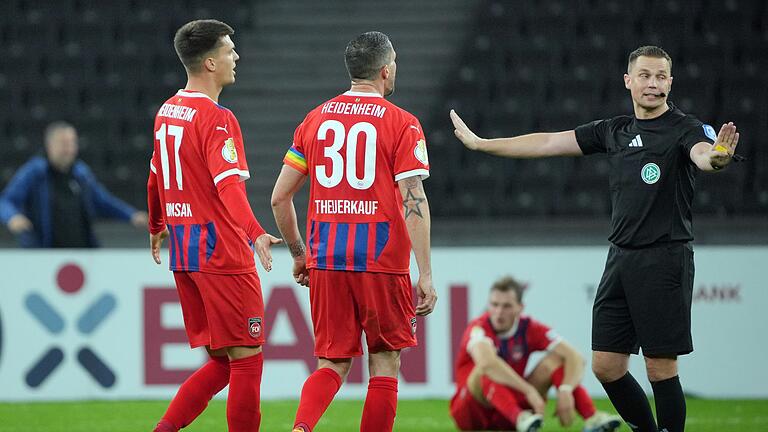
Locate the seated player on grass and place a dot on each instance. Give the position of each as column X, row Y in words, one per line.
column 492, row 392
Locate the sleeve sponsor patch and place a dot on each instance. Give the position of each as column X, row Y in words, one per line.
column 709, row 131
column 420, row 151
column 228, row 151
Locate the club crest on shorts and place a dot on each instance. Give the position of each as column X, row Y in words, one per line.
column 254, row 327
column 413, row 326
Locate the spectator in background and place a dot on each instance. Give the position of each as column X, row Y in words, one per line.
column 52, row 200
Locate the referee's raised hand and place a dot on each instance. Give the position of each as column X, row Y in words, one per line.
column 463, row 132
column 725, row 146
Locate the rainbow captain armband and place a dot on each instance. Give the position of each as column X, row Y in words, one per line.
column 296, row 160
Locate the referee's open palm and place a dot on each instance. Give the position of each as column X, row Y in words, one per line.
column 463, row 132
column 725, row 146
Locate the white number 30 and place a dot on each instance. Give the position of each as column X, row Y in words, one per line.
column 333, row 152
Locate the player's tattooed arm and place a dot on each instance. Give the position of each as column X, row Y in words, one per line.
column 414, row 198
column 297, row 248
column 417, row 222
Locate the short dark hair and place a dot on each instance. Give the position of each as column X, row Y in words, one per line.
column 366, row 54
column 508, row 283
column 54, row 127
column 648, row 51
column 197, row 38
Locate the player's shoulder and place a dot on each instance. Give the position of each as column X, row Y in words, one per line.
column 406, row 116
column 531, row 322
column 480, row 321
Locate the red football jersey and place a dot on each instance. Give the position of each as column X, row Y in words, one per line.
column 525, row 337
column 199, row 148
column 355, row 148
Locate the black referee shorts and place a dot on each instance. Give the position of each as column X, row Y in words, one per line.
column 644, row 300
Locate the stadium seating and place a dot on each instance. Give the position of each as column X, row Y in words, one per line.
column 526, row 65
column 97, row 66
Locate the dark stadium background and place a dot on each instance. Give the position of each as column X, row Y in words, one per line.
column 508, row 67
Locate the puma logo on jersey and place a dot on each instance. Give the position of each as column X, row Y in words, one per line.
column 222, row 128
column 414, row 127
column 636, row 141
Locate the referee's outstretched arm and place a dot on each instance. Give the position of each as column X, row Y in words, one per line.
column 714, row 157
column 533, row 145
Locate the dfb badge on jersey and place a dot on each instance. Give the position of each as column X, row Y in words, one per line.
column 421, row 152
column 229, row 152
column 254, row 327
column 651, row 173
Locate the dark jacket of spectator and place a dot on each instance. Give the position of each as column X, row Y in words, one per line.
column 29, row 193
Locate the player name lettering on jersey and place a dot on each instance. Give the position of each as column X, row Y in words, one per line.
column 178, row 209
column 351, row 207
column 370, row 109
column 177, row 111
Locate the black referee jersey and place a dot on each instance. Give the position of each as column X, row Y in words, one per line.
column 652, row 176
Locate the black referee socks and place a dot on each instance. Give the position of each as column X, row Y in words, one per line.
column 630, row 401
column 670, row 404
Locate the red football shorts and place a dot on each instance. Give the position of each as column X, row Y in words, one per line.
column 345, row 303
column 221, row 310
column 470, row 415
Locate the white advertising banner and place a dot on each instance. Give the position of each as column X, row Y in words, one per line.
column 107, row 324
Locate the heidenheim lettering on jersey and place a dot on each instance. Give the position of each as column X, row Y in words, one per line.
column 369, row 109
column 177, row 112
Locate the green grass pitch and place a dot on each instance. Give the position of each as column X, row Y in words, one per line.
column 342, row 416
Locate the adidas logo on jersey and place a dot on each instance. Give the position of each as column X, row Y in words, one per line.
column 636, row 141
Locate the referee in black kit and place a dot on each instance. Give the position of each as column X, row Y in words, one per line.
column 644, row 297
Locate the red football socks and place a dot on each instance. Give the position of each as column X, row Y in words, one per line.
column 380, row 405
column 194, row 394
column 502, row 398
column 243, row 403
column 584, row 405
column 317, row 393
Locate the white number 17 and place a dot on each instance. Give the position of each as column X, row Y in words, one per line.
column 177, row 132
